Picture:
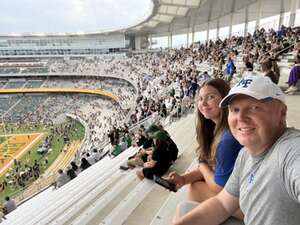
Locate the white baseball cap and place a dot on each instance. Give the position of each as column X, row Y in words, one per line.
column 258, row 87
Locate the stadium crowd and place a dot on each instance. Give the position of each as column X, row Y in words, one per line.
column 169, row 86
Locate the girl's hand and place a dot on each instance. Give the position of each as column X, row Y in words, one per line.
column 176, row 179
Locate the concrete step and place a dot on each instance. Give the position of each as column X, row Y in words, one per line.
column 133, row 195
column 148, row 208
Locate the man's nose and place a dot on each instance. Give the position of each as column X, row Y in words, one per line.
column 243, row 115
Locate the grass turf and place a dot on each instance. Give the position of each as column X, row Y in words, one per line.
column 57, row 145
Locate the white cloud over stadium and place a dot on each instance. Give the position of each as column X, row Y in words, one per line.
column 70, row 16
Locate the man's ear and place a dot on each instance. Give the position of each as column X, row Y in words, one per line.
column 283, row 113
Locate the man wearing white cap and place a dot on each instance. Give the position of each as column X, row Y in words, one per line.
column 265, row 182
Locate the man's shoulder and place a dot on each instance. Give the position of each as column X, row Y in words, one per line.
column 288, row 143
column 290, row 137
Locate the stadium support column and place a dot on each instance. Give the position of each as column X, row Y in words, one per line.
column 246, row 20
column 188, row 32
column 218, row 29
column 193, row 35
column 150, row 39
column 231, row 17
column 209, row 18
column 230, row 26
column 187, row 38
column 141, row 42
column 207, row 33
column 293, row 9
column 137, row 42
column 170, row 40
column 259, row 12
column 193, row 28
column 282, row 11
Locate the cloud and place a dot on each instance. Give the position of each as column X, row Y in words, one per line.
column 69, row 15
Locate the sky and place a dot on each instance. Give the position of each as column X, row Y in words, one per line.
column 55, row 16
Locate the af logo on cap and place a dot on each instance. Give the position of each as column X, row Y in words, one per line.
column 244, row 83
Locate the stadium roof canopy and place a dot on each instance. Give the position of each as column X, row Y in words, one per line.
column 178, row 16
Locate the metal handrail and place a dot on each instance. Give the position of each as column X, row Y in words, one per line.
column 280, row 51
column 290, row 46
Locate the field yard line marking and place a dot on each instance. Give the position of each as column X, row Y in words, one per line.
column 20, row 153
column 30, row 145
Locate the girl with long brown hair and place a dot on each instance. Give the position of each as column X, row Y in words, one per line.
column 217, row 148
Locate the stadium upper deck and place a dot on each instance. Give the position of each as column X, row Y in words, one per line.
column 61, row 45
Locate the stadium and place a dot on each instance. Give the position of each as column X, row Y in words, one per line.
column 75, row 104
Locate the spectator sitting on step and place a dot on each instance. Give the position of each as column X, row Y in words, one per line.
column 160, row 161
column 96, row 154
column 9, row 205
column 62, row 179
column 71, row 172
column 217, row 149
column 294, row 77
column 296, row 49
column 123, row 143
column 139, row 138
column 128, row 138
column 90, row 158
column 84, row 164
column 75, row 167
column 266, row 67
column 145, row 151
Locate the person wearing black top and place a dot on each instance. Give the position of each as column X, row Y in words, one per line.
column 74, row 167
column 71, row 172
column 172, row 148
column 84, row 164
column 146, row 148
column 161, row 158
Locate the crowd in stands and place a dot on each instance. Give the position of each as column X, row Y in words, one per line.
column 49, row 109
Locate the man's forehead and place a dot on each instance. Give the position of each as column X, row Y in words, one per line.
column 239, row 98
